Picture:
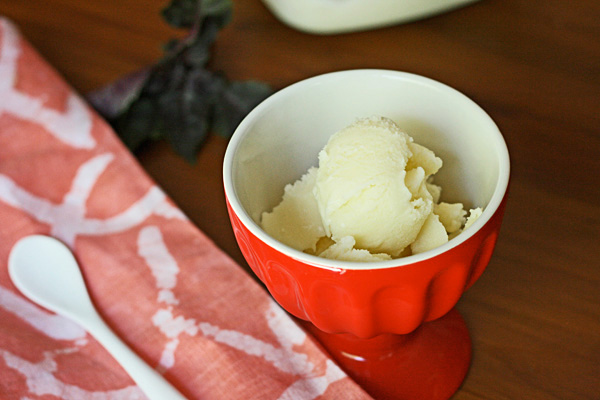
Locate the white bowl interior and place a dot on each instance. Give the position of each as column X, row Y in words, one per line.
column 280, row 139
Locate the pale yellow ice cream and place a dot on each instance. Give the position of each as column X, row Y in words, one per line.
column 363, row 188
column 370, row 199
column 296, row 220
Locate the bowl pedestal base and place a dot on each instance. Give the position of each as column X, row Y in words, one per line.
column 429, row 363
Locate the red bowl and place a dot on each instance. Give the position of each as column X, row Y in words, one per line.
column 280, row 139
column 367, row 302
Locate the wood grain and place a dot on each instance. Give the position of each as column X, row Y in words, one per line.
column 534, row 67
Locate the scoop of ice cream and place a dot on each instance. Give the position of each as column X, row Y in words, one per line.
column 371, row 199
column 361, row 187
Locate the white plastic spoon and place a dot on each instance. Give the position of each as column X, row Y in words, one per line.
column 45, row 271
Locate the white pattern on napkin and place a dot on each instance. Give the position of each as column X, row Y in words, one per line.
column 68, row 219
column 41, row 381
column 73, row 127
column 54, row 326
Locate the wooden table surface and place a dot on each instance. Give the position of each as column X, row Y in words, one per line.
column 534, row 316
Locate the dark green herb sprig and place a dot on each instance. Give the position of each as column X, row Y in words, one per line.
column 179, row 99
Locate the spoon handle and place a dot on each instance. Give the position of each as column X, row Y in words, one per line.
column 152, row 383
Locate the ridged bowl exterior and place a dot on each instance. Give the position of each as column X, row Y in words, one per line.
column 368, row 302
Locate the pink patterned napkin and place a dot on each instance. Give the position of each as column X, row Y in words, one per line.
column 162, row 285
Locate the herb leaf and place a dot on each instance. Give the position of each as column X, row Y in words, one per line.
column 181, row 13
column 179, row 99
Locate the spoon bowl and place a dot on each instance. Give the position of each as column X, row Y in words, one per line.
column 46, row 272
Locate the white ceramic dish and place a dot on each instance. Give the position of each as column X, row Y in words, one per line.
column 338, row 16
